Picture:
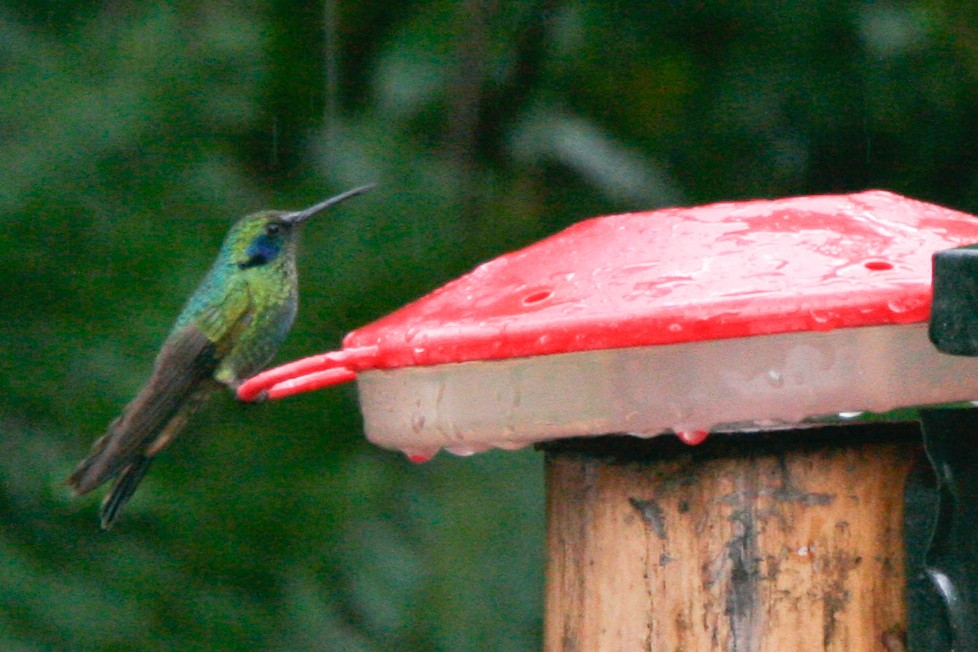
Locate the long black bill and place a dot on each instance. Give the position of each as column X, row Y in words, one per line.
column 303, row 215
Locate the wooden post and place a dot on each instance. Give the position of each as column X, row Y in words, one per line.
column 775, row 542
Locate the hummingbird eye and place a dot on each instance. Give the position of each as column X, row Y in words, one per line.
column 265, row 247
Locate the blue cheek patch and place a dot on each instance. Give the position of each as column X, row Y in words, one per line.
column 262, row 250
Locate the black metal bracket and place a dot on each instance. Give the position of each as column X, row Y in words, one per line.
column 954, row 310
column 951, row 560
column 950, row 437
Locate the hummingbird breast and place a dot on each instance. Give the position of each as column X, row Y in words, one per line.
column 274, row 299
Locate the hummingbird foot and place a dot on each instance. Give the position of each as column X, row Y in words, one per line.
column 235, row 383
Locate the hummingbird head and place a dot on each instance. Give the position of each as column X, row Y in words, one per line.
column 263, row 238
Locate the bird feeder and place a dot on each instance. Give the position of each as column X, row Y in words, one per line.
column 761, row 327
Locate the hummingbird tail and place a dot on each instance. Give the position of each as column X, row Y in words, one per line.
column 85, row 477
column 122, row 489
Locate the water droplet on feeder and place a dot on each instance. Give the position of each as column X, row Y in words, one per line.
column 419, row 456
column 775, row 378
column 692, row 437
column 897, row 306
column 417, row 422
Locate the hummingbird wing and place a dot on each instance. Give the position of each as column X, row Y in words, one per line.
column 128, row 479
column 185, row 361
column 180, row 382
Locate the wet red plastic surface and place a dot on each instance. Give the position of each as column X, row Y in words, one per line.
column 684, row 274
column 669, row 276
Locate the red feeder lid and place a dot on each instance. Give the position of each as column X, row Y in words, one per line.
column 654, row 281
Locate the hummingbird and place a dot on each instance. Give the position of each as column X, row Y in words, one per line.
column 228, row 330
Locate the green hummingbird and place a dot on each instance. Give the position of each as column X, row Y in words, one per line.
column 228, row 330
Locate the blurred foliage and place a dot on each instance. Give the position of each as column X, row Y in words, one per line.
column 131, row 134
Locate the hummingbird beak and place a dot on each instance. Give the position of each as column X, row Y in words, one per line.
column 301, row 216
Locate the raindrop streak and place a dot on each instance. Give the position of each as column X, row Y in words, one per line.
column 274, row 152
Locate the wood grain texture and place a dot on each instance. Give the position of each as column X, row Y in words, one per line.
column 781, row 549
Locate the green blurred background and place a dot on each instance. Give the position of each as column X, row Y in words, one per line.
column 131, row 134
